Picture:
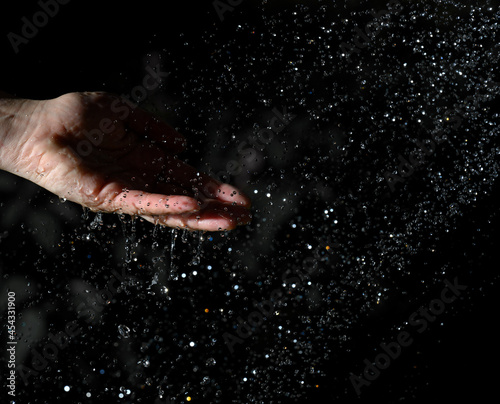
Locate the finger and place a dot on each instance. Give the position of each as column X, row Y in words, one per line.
column 229, row 194
column 217, row 218
column 204, row 185
column 153, row 128
column 115, row 198
column 136, row 202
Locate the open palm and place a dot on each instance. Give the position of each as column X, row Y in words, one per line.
column 95, row 150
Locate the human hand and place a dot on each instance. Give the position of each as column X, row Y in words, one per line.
column 97, row 151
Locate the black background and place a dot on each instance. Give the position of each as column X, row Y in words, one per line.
column 90, row 46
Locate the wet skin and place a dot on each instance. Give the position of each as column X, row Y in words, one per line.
column 95, row 150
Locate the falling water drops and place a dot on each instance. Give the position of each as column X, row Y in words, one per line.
column 197, row 254
column 287, row 307
column 173, row 239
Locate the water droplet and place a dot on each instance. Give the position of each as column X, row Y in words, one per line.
column 97, row 221
column 124, row 331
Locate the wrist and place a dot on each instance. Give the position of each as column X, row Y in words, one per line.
column 15, row 115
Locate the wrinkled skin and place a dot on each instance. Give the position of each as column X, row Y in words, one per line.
column 95, row 150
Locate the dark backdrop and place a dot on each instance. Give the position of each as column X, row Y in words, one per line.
column 319, row 194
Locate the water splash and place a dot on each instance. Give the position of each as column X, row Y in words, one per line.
column 172, row 247
column 130, row 237
column 97, row 221
column 197, row 257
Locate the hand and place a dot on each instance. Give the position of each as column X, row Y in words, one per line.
column 95, row 150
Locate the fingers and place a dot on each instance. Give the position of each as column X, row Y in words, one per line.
column 216, row 217
column 176, row 211
column 143, row 123
column 202, row 185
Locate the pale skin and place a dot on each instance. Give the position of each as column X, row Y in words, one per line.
column 97, row 151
